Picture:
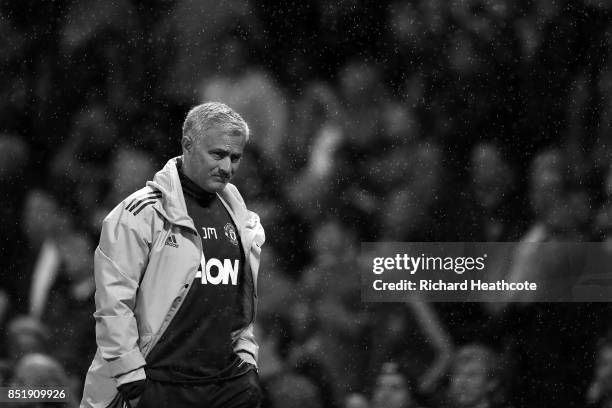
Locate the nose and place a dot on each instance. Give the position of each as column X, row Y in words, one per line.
column 225, row 166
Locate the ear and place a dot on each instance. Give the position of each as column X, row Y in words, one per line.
column 186, row 143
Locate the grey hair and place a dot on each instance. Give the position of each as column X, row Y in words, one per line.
column 209, row 114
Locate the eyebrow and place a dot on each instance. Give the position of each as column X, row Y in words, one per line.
column 225, row 151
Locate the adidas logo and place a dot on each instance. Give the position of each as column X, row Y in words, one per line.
column 171, row 240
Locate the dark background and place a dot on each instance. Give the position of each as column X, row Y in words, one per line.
column 463, row 120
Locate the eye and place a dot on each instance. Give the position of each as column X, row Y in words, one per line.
column 235, row 159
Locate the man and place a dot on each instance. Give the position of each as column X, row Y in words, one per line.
column 599, row 393
column 475, row 378
column 176, row 273
column 393, row 388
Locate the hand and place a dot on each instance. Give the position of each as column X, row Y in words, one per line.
column 327, row 142
column 132, row 391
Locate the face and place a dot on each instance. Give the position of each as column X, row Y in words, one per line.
column 41, row 217
column 355, row 401
column 603, row 369
column 330, row 241
column 24, row 343
column 74, row 250
column 490, row 176
column 391, row 392
column 469, row 384
column 212, row 159
column 608, row 184
column 546, row 188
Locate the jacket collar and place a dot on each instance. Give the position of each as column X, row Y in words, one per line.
column 174, row 209
column 173, row 206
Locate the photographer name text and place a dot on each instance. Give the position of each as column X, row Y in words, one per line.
column 440, row 285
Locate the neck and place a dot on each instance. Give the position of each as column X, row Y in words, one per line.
column 191, row 188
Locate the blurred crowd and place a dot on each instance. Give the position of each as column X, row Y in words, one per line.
column 420, row 120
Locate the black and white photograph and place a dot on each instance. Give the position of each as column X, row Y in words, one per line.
column 317, row 204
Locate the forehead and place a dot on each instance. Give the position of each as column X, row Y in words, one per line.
column 390, row 380
column 221, row 138
column 605, row 354
column 472, row 366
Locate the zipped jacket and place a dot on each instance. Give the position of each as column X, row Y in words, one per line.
column 145, row 263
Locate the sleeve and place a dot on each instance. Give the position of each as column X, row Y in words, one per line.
column 119, row 262
column 246, row 345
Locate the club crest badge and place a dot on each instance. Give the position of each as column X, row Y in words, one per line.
column 230, row 233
